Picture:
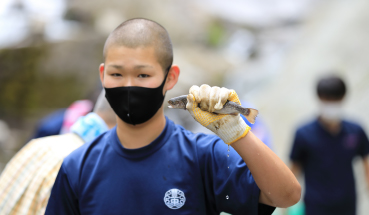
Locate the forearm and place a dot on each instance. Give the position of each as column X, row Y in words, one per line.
column 366, row 170
column 367, row 178
column 272, row 176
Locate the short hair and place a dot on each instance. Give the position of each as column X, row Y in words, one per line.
column 331, row 87
column 141, row 32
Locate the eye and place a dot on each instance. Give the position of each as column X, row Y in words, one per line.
column 116, row 75
column 143, row 76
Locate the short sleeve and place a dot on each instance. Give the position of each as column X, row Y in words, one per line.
column 229, row 185
column 298, row 151
column 363, row 144
column 62, row 199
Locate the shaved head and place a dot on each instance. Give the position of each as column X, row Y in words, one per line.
column 135, row 33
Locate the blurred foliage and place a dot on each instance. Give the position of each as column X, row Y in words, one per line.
column 25, row 89
column 216, row 33
column 73, row 14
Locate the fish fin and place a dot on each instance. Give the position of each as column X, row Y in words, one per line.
column 251, row 115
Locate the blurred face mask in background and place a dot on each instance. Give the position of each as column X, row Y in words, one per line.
column 331, row 111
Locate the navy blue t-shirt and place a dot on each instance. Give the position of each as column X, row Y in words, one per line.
column 326, row 161
column 178, row 173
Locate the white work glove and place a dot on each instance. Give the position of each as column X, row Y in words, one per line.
column 229, row 128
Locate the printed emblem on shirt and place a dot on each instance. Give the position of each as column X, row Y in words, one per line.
column 174, row 198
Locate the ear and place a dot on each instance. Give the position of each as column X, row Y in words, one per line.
column 101, row 72
column 172, row 78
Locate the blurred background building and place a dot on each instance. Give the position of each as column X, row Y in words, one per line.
column 271, row 52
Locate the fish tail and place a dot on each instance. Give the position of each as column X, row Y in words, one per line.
column 250, row 114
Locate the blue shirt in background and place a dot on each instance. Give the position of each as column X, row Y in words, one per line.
column 50, row 124
column 178, row 173
column 326, row 161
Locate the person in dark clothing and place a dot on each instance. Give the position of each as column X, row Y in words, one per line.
column 324, row 149
column 149, row 165
column 51, row 124
column 60, row 121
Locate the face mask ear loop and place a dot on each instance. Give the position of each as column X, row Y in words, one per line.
column 129, row 110
column 165, row 78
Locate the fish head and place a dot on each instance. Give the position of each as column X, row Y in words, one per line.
column 178, row 102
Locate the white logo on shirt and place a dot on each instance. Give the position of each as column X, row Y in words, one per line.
column 174, row 198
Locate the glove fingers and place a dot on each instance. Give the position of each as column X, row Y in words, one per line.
column 195, row 91
column 233, row 97
column 210, row 98
column 229, row 128
column 190, row 102
column 223, row 95
column 204, row 97
column 214, row 100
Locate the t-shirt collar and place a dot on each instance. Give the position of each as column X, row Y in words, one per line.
column 143, row 151
column 321, row 127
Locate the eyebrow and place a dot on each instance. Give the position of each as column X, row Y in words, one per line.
column 143, row 66
column 136, row 67
column 116, row 66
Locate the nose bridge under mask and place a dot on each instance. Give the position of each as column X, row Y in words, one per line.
column 129, row 82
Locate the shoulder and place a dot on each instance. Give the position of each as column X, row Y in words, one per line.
column 307, row 128
column 199, row 142
column 36, row 163
column 54, row 139
column 58, row 145
column 205, row 146
column 62, row 144
column 75, row 160
column 197, row 138
column 351, row 125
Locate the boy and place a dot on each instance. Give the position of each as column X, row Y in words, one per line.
column 149, row 165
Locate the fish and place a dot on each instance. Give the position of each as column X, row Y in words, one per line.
column 230, row 108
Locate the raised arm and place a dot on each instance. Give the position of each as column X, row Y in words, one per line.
column 278, row 186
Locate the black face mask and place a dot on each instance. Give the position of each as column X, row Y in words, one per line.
column 135, row 105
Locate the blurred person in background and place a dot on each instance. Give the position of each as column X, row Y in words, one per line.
column 60, row 121
column 26, row 182
column 324, row 150
column 149, row 165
